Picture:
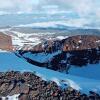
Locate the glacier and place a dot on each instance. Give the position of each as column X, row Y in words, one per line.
column 9, row 61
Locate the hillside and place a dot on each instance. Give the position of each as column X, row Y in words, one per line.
column 78, row 42
column 28, row 86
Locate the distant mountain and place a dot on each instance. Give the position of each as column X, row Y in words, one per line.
column 24, row 38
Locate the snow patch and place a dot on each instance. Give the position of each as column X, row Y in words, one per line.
column 98, row 41
column 2, row 51
column 72, row 84
column 41, row 57
column 91, row 71
column 14, row 97
column 80, row 41
column 56, row 81
column 61, row 37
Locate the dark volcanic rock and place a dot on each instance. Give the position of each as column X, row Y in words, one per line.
column 78, row 42
column 24, row 88
column 81, row 42
column 32, row 87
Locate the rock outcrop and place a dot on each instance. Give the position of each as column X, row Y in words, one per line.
column 5, row 42
column 31, row 87
column 78, row 42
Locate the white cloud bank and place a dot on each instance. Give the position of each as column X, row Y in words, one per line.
column 16, row 5
column 80, row 6
column 86, row 10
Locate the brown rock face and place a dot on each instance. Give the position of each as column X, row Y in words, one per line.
column 32, row 87
column 5, row 42
column 78, row 42
column 81, row 42
column 24, row 89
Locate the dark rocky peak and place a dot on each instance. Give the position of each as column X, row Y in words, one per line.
column 78, row 42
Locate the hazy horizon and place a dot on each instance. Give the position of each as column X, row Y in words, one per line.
column 84, row 13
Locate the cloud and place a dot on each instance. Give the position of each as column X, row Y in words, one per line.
column 86, row 10
column 82, row 7
column 17, row 5
column 5, row 4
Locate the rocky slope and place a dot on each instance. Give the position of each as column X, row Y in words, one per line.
column 78, row 42
column 79, row 51
column 28, row 86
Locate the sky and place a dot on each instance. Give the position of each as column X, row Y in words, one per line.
column 82, row 7
column 86, row 10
